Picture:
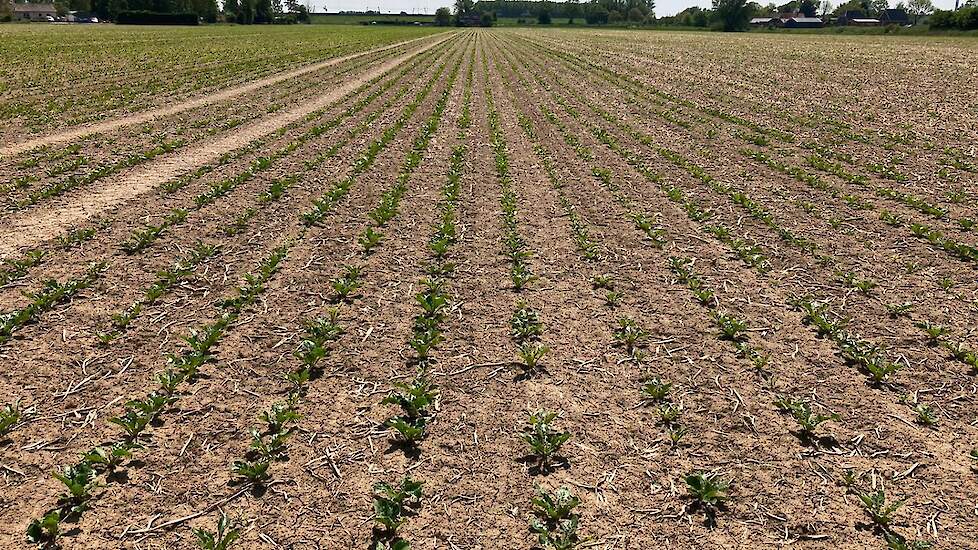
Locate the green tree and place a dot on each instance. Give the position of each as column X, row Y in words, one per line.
column 572, row 9
column 635, row 15
column 246, row 16
column 731, row 15
column 443, row 17
column 264, row 13
column 851, row 5
column 596, row 14
column 232, row 10
column 463, row 7
column 920, row 7
column 543, row 18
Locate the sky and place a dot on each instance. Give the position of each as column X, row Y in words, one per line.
column 662, row 7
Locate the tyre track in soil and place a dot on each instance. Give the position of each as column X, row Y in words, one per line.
column 152, row 114
column 32, row 228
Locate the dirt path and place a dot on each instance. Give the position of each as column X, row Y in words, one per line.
column 31, row 227
column 154, row 113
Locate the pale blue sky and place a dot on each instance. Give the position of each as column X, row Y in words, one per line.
column 663, row 7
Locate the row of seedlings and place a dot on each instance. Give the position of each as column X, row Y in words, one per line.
column 958, row 352
column 554, row 518
column 182, row 369
column 706, row 489
column 934, row 237
column 394, row 503
column 226, row 122
column 143, row 238
column 100, row 465
column 276, row 190
column 869, row 360
column 269, row 444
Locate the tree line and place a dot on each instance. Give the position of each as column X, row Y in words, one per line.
column 245, row 12
column 594, row 12
column 735, row 15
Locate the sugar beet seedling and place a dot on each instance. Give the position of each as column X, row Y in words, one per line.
column 544, row 439
column 555, row 522
column 392, row 507
column 708, row 492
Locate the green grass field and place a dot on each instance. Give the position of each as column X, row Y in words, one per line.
column 104, row 67
column 342, row 19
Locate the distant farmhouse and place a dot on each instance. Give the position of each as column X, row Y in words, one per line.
column 788, row 21
column 33, row 12
column 803, row 23
column 470, row 20
column 857, row 18
column 894, row 17
column 849, row 18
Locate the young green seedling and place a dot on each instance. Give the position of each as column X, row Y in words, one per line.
column 602, row 282
column 255, row 472
column 708, row 492
column 543, row 438
column 530, row 354
column 934, row 332
column 318, row 333
column 880, row 369
column 676, row 433
column 525, row 324
column 218, row 540
column 112, row 456
column 656, row 390
column 612, row 298
column 730, row 327
column 279, row 415
column 392, row 504
column 555, row 522
column 899, row 310
column 414, row 400
column 370, row 239
column 877, row 508
column 669, row 413
column 44, row 532
column 79, row 480
column 521, row 275
column 925, row 414
column 169, row 380
column 346, row 284
column 272, row 448
column 807, row 419
column 848, row 478
column 9, row 416
column 629, row 334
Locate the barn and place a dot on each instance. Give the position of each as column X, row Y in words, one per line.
column 33, row 12
column 803, row 23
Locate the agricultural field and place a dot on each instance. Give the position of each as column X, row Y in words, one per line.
column 495, row 288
